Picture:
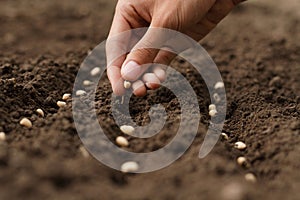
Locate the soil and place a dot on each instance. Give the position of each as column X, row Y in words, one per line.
column 257, row 51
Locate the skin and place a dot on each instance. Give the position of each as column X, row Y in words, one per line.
column 195, row 18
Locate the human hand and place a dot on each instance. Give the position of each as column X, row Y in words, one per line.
column 195, row 18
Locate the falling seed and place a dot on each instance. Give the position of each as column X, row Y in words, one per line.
column 250, row 177
column 2, row 136
column 241, row 160
column 26, row 122
column 121, row 141
column 212, row 113
column 129, row 167
column 127, row 84
column 80, row 92
column 40, row 112
column 216, row 97
column 225, row 136
column 84, row 152
column 95, row 71
column 127, row 129
column 240, row 145
column 219, row 85
column 87, row 83
column 61, row 104
column 212, row 107
column 66, row 96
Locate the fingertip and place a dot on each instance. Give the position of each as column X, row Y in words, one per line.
column 131, row 71
column 160, row 73
column 151, row 81
column 139, row 88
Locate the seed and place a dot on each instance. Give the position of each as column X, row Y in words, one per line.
column 95, row 71
column 26, row 122
column 127, row 129
column 216, row 97
column 40, row 112
column 130, row 166
column 241, row 160
column 61, row 104
column 84, row 152
column 127, row 84
column 250, row 177
column 66, row 96
column 212, row 113
column 121, row 141
column 240, row 145
column 87, row 83
column 212, row 107
column 219, row 85
column 80, row 92
column 2, row 136
column 225, row 136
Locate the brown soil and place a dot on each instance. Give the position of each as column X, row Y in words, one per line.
column 257, row 51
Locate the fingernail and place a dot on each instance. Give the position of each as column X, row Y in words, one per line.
column 131, row 71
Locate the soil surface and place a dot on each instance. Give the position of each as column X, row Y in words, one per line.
column 257, row 51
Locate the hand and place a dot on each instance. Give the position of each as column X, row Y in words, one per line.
column 195, row 18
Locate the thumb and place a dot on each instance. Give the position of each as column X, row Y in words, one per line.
column 144, row 52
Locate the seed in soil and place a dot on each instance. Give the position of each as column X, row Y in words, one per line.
column 250, row 177
column 84, row 152
column 130, row 166
column 40, row 112
column 87, row 83
column 212, row 113
column 212, row 107
column 95, row 71
column 241, row 160
column 127, row 129
column 127, row 84
column 225, row 136
column 80, row 92
column 26, row 122
column 66, row 96
column 121, row 141
column 219, row 85
column 61, row 104
column 217, row 97
column 2, row 136
column 240, row 145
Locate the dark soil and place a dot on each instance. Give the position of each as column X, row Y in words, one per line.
column 257, row 51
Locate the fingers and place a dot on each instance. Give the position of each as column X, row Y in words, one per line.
column 139, row 88
column 116, row 80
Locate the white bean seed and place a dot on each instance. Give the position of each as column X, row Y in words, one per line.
column 127, row 129
column 121, row 141
column 66, row 96
column 80, row 92
column 212, row 113
column 127, row 84
column 240, row 145
column 219, row 85
column 84, row 152
column 61, row 104
column 212, row 107
column 26, row 122
column 129, row 167
column 87, row 83
column 40, row 112
column 2, row 136
column 250, row 177
column 241, row 160
column 95, row 71
column 225, row 136
column 216, row 97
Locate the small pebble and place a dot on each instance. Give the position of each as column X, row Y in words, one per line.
column 61, row 104
column 66, row 96
column 95, row 71
column 219, row 85
column 2, row 136
column 127, row 84
column 240, row 145
column 40, row 112
column 216, row 97
column 80, row 92
column 129, row 167
column 212, row 113
column 241, row 160
column 26, row 122
column 250, row 177
column 87, row 83
column 121, row 141
column 225, row 136
column 212, row 107
column 84, row 152
column 127, row 129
